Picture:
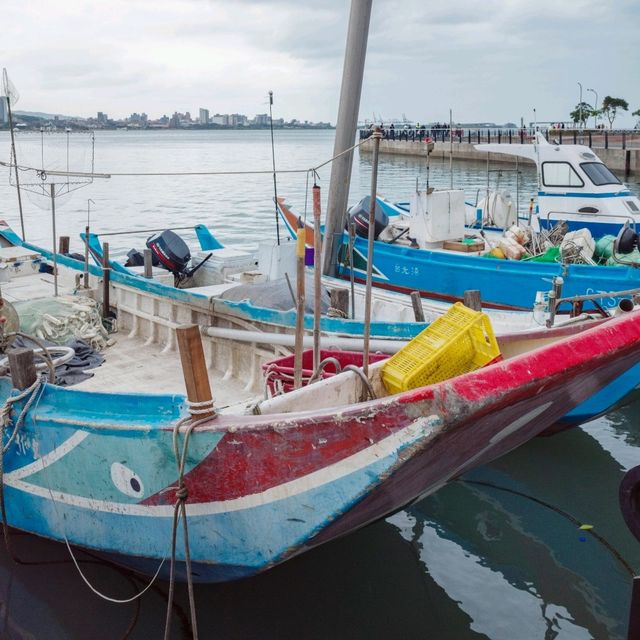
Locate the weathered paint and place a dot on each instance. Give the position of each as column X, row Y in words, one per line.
column 263, row 488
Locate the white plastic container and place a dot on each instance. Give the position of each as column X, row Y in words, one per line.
column 581, row 241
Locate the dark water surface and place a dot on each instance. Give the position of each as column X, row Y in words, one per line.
column 497, row 554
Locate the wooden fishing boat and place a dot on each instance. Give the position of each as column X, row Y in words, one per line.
column 156, row 307
column 444, row 272
column 264, row 479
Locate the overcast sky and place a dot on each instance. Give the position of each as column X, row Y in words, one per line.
column 490, row 61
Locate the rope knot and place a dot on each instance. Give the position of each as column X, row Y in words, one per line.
column 182, row 493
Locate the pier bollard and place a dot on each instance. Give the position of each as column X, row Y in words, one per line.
column 22, row 367
column 194, row 368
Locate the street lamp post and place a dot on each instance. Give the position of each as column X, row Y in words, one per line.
column 580, row 104
column 595, row 108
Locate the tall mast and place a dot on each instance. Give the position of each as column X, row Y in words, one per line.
column 346, row 126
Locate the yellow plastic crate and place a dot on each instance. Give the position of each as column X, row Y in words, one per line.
column 457, row 342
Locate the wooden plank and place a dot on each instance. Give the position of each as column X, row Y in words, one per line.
column 416, row 301
column 22, row 367
column 472, row 299
column 194, row 367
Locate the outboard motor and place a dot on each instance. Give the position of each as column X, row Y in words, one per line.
column 359, row 215
column 172, row 253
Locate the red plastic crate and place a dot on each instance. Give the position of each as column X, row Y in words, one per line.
column 280, row 371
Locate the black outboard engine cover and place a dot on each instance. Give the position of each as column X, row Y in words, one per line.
column 627, row 240
column 171, row 250
column 359, row 215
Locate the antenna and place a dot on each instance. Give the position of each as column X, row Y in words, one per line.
column 59, row 151
column 12, row 97
column 273, row 159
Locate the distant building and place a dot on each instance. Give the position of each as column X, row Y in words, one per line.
column 204, row 116
column 4, row 110
column 102, row 117
column 221, row 119
column 261, row 120
column 238, row 120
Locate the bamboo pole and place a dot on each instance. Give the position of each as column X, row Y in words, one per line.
column 317, row 275
column 194, row 370
column 299, row 344
column 372, row 223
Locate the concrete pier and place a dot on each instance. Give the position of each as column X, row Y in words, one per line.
column 616, row 159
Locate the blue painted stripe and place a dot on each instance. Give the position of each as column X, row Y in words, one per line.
column 617, row 194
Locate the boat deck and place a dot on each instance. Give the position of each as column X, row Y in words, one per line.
column 134, row 366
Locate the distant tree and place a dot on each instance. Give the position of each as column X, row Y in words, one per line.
column 636, row 113
column 610, row 108
column 582, row 113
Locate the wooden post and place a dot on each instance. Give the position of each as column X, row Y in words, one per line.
column 416, row 301
column 317, row 274
column 148, row 264
column 339, row 299
column 472, row 299
column 106, row 280
column 299, row 338
column 194, row 367
column 86, row 257
column 63, row 245
column 372, row 224
column 22, row 367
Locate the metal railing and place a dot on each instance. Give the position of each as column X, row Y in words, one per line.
column 597, row 138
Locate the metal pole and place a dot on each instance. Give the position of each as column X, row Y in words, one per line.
column 451, row 148
column 15, row 164
column 580, row 103
column 347, row 123
column 273, row 161
column 372, row 223
column 317, row 276
column 595, row 108
column 86, row 244
column 53, row 225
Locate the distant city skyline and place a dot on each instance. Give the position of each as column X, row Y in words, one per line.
column 497, row 63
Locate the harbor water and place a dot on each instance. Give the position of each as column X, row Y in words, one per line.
column 497, row 554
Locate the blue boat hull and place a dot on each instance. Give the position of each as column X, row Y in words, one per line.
column 507, row 284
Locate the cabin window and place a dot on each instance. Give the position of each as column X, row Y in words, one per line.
column 599, row 174
column 560, row 174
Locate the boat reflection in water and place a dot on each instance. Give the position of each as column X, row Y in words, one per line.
column 470, row 562
column 504, row 542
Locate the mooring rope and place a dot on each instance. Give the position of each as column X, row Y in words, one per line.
column 180, row 510
column 31, row 393
column 43, row 173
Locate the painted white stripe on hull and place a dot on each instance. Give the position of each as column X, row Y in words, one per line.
column 389, row 445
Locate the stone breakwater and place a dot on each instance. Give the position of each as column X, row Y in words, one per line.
column 617, row 160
